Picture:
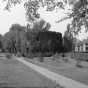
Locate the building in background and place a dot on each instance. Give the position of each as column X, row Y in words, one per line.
column 81, row 46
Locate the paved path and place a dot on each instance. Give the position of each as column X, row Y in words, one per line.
column 14, row 74
column 63, row 81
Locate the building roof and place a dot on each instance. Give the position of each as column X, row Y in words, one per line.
column 78, row 43
column 85, row 41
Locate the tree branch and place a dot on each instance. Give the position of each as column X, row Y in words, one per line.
column 65, row 18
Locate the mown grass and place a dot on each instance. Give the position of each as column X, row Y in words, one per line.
column 65, row 66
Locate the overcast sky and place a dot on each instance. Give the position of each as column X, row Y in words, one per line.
column 17, row 15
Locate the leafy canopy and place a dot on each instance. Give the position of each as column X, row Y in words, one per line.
column 78, row 12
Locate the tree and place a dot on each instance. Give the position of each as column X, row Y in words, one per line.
column 68, row 39
column 14, row 40
column 8, row 40
column 18, row 31
column 1, row 38
column 50, row 42
column 32, row 34
column 78, row 13
column 23, row 40
column 32, row 6
column 41, row 25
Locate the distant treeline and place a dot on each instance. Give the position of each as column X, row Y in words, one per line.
column 29, row 42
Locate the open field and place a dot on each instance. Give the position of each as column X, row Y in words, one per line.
column 65, row 67
column 15, row 74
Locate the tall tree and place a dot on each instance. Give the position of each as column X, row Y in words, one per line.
column 68, row 39
column 8, row 41
column 13, row 40
column 32, row 34
column 1, row 38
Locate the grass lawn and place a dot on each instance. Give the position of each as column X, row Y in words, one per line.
column 15, row 74
column 66, row 68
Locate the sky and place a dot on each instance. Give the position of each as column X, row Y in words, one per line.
column 17, row 15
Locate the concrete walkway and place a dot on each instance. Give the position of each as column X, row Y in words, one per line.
column 63, row 81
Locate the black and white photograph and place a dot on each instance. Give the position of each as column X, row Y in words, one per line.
column 43, row 43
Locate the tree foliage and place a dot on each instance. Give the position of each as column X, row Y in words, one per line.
column 1, row 38
column 28, row 41
column 68, row 39
column 12, row 39
column 78, row 13
column 41, row 26
column 50, row 41
column 23, row 40
column 32, row 6
column 32, row 33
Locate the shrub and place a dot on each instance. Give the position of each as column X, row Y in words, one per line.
column 8, row 56
column 18, row 54
column 78, row 64
column 41, row 59
column 63, row 54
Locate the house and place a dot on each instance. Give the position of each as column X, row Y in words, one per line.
column 82, row 46
column 85, row 45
